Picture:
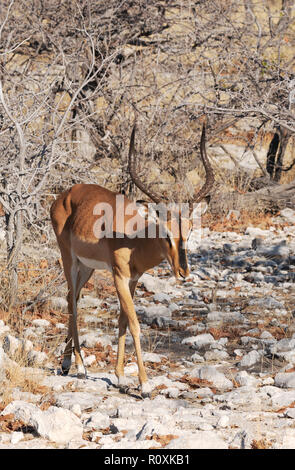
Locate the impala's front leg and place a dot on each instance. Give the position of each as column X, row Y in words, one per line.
column 119, row 371
column 128, row 314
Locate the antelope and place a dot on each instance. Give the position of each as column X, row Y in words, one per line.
column 84, row 249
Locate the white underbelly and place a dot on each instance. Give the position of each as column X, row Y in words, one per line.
column 94, row 264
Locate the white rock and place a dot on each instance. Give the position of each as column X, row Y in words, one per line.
column 243, row 378
column 250, row 359
column 285, row 380
column 282, row 398
column 288, row 214
column 22, row 410
column 150, row 428
column 41, row 322
column 4, row 360
column 223, row 421
column 157, row 310
column 211, row 374
column 243, row 396
column 156, row 285
column 288, row 439
column 89, row 302
column 16, row 436
column 97, row 420
column 83, row 399
column 198, row 440
column 197, row 358
column 76, row 409
column 216, row 355
column 37, row 357
column 200, row 341
column 89, row 340
column 57, row 424
column 290, row 413
column 89, row 360
column 160, row 297
column 284, row 345
column 151, row 357
column 256, row 232
column 11, row 345
column 59, row 303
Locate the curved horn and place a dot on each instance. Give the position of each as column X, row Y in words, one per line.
column 132, row 170
column 207, row 186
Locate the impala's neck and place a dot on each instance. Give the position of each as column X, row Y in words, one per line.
column 148, row 252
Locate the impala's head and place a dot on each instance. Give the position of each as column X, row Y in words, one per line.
column 175, row 221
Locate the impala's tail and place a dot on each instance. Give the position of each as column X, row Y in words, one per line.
column 60, row 211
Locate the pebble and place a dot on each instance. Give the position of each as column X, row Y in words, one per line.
column 202, row 400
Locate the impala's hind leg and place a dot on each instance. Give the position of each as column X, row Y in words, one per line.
column 77, row 275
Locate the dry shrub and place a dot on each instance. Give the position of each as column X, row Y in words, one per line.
column 195, row 382
column 261, row 444
column 239, row 224
column 25, row 380
column 161, row 439
column 9, row 424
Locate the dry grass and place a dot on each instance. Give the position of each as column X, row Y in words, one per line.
column 239, row 224
column 261, row 444
column 23, row 379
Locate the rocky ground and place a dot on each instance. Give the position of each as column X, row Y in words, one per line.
column 219, row 350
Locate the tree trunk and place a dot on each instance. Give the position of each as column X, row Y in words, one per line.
column 275, row 154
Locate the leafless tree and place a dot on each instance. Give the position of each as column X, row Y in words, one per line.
column 73, row 73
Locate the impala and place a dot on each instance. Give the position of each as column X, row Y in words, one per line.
column 89, row 242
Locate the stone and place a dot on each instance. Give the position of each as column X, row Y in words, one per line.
column 59, row 303
column 41, row 322
column 197, row 358
column 97, row 421
column 285, row 380
column 290, row 413
column 288, row 439
column 151, row 357
column 22, row 410
column 161, row 297
column 90, row 340
column 37, row 357
column 89, row 360
column 69, row 399
column 200, row 341
column 223, row 421
column 288, row 214
column 216, row 355
column 11, row 345
column 250, row 359
column 57, row 424
column 16, row 436
column 243, row 378
column 211, row 374
column 198, row 440
column 156, row 285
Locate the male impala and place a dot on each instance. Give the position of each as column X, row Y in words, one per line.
column 87, row 244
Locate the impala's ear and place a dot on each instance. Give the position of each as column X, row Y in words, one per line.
column 200, row 208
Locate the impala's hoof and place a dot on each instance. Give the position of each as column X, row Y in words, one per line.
column 123, row 386
column 81, row 375
column 81, row 372
column 124, row 389
column 146, row 390
column 65, row 367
